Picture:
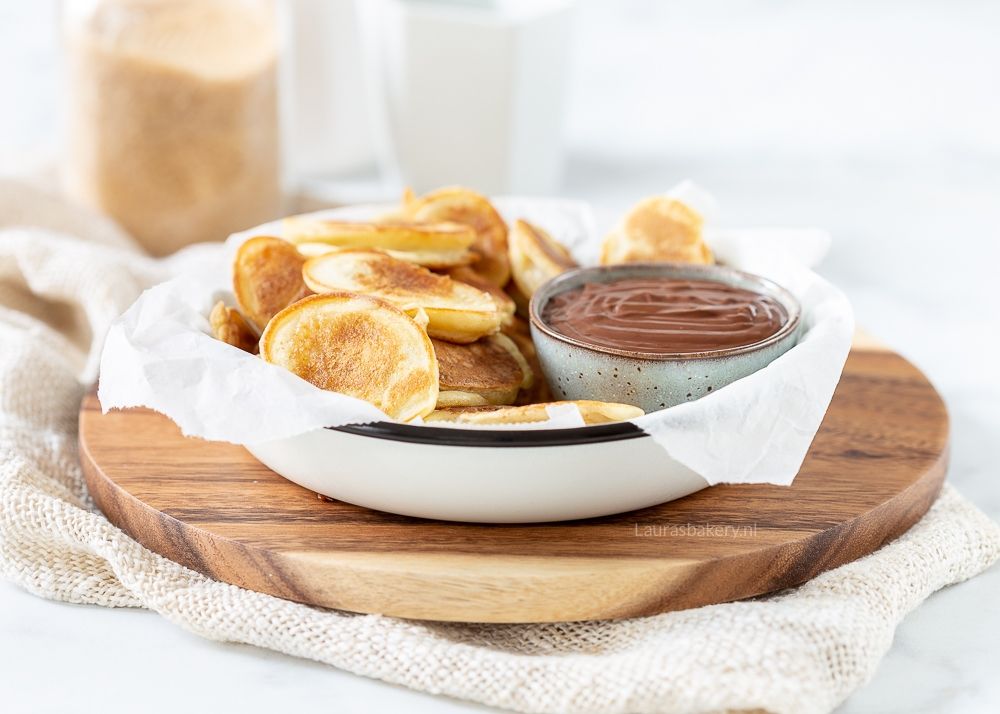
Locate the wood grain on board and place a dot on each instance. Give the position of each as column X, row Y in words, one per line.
column 875, row 467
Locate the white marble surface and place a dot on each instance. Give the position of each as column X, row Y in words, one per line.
column 879, row 123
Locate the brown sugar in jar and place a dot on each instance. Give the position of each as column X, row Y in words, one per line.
column 172, row 118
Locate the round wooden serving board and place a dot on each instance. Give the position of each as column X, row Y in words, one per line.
column 875, row 467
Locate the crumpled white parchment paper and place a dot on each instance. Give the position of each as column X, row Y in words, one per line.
column 160, row 354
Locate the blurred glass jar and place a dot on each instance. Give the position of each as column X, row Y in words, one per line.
column 172, row 115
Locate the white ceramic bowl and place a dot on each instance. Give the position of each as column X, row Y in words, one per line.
column 483, row 476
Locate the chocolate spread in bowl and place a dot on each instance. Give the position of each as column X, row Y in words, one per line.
column 664, row 315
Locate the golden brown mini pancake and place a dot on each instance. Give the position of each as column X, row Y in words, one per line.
column 460, row 205
column 538, row 390
column 455, row 311
column 229, row 326
column 520, row 299
column 592, row 412
column 460, row 399
column 491, row 369
column 396, row 235
column 356, row 345
column 505, row 304
column 437, row 245
column 535, row 256
column 657, row 229
column 510, row 345
column 431, row 259
column 267, row 277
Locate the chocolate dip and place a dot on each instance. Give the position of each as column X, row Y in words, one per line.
column 664, row 315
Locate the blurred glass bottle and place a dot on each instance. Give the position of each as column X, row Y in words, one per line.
column 172, row 115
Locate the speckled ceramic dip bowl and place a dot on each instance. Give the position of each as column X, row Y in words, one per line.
column 580, row 370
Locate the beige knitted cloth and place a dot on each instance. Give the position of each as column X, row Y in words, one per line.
column 803, row 650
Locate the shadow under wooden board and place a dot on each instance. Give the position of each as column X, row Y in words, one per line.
column 875, row 467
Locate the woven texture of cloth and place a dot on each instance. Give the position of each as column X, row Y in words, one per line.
column 64, row 275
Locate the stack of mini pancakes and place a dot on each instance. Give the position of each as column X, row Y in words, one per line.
column 423, row 312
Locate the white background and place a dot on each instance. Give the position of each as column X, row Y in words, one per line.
column 877, row 121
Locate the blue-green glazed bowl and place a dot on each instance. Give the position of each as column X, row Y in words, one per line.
column 579, row 370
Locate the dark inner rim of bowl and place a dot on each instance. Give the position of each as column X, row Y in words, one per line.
column 445, row 436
